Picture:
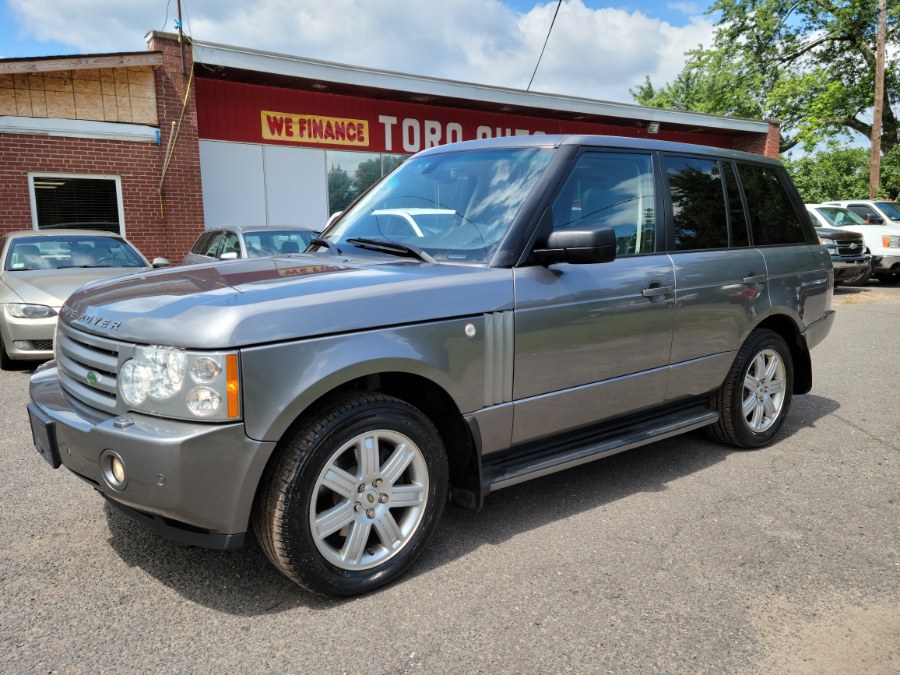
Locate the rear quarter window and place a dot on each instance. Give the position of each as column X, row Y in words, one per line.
column 773, row 219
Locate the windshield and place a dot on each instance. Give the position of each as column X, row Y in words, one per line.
column 890, row 209
column 274, row 242
column 455, row 206
column 41, row 253
column 839, row 217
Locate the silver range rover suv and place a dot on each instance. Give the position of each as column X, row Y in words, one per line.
column 490, row 312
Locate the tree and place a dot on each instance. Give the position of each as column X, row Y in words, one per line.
column 370, row 170
column 808, row 63
column 340, row 189
column 842, row 173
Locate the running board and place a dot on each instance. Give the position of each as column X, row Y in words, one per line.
column 552, row 457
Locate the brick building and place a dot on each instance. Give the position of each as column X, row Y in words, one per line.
column 260, row 138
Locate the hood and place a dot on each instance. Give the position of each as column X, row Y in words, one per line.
column 837, row 234
column 52, row 287
column 260, row 300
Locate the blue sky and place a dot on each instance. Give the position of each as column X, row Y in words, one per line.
column 599, row 49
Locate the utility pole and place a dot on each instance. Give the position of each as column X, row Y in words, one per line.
column 875, row 165
column 181, row 40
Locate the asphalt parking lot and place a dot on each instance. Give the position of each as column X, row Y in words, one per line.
column 680, row 556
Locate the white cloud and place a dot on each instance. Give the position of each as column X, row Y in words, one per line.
column 595, row 53
column 687, row 8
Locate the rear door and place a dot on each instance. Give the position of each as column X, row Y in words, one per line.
column 720, row 280
column 592, row 341
column 799, row 268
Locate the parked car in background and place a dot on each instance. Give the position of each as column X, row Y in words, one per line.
column 852, row 264
column 872, row 211
column 248, row 241
column 40, row 269
column 881, row 239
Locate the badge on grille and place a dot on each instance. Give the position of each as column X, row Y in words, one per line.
column 92, row 377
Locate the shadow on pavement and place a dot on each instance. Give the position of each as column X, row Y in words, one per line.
column 244, row 583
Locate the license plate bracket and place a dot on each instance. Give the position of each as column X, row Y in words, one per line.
column 43, row 433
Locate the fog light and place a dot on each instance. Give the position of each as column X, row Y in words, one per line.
column 22, row 344
column 118, row 470
column 113, row 470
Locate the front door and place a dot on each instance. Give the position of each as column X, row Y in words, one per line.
column 593, row 341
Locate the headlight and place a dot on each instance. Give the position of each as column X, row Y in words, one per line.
column 155, row 380
column 21, row 311
column 890, row 241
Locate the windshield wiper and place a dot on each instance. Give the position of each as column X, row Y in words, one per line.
column 392, row 247
column 330, row 245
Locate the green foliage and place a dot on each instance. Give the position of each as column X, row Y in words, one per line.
column 340, row 189
column 840, row 172
column 808, row 63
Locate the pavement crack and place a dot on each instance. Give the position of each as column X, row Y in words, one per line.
column 866, row 432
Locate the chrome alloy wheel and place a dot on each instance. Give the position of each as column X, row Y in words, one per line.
column 763, row 394
column 369, row 499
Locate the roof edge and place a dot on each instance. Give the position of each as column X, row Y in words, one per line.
column 216, row 54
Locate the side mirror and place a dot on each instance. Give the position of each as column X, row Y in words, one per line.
column 874, row 219
column 231, row 255
column 160, row 262
column 579, row 247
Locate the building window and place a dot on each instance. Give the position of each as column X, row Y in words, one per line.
column 352, row 173
column 84, row 202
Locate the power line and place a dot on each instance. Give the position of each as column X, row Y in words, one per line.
column 528, row 88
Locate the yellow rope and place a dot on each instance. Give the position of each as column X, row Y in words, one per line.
column 187, row 93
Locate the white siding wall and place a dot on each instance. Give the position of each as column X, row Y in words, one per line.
column 254, row 184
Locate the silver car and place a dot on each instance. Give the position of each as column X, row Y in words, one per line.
column 489, row 313
column 39, row 269
column 248, row 241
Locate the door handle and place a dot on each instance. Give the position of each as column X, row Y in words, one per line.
column 656, row 291
column 755, row 279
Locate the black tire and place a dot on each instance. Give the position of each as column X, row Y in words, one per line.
column 6, row 363
column 733, row 426
column 295, row 488
column 888, row 278
column 862, row 279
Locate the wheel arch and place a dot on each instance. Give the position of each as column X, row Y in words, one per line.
column 788, row 329
column 424, row 394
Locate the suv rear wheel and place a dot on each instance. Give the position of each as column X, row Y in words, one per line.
column 756, row 395
column 355, row 495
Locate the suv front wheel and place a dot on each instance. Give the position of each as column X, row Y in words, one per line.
column 756, row 395
column 355, row 495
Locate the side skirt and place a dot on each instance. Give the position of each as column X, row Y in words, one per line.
column 557, row 454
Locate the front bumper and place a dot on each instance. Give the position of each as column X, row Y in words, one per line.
column 35, row 337
column 885, row 263
column 192, row 482
column 850, row 268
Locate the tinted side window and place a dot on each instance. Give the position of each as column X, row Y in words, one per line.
column 613, row 190
column 739, row 230
column 698, row 203
column 199, row 246
column 230, row 244
column 773, row 219
column 213, row 244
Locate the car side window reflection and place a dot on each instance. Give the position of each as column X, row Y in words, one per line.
column 698, row 203
column 613, row 190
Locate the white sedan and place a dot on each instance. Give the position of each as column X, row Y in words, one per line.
column 39, row 270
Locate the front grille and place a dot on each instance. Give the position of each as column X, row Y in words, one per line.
column 87, row 367
column 847, row 247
